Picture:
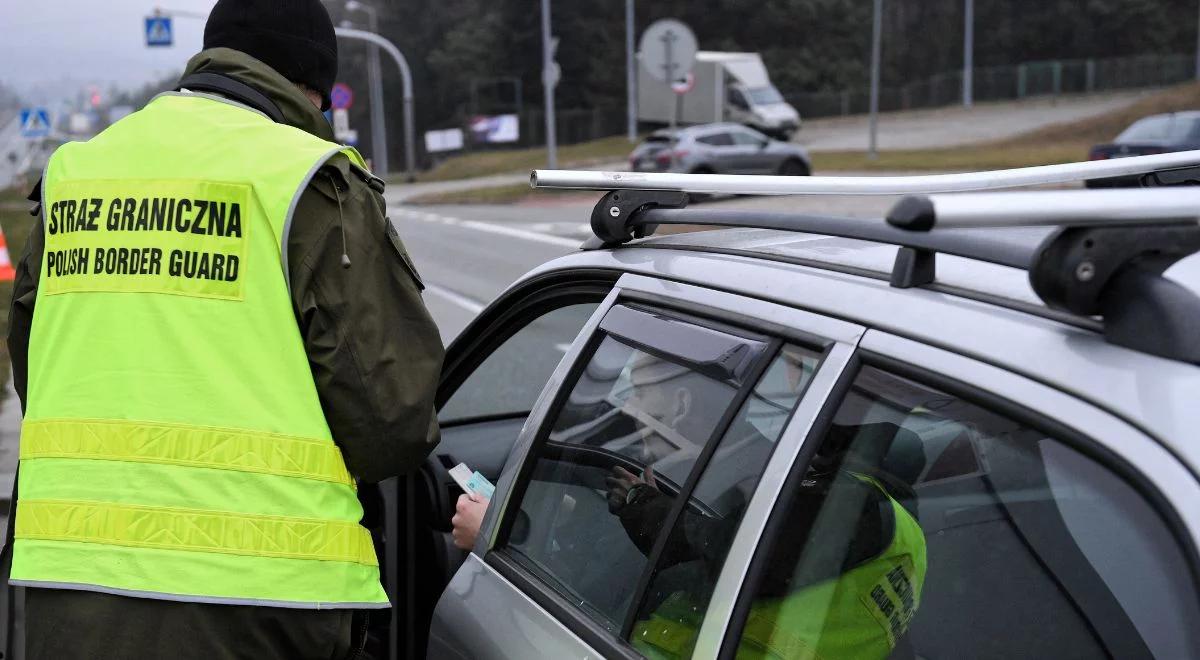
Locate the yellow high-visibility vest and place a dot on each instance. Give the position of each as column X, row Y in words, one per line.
column 173, row 445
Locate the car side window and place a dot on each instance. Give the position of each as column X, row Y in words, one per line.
column 716, row 140
column 746, row 139
column 620, row 459
column 737, row 99
column 928, row 526
column 510, row 379
column 672, row 608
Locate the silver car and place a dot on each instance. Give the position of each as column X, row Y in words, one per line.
column 719, row 149
column 831, row 438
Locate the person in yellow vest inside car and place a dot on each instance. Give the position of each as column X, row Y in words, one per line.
column 843, row 583
column 216, row 336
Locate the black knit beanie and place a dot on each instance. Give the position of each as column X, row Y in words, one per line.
column 294, row 37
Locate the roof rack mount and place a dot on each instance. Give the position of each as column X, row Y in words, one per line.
column 741, row 184
column 1105, row 260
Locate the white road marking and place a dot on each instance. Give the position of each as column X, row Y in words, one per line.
column 489, row 227
column 469, row 304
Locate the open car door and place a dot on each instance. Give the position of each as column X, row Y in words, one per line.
column 494, row 372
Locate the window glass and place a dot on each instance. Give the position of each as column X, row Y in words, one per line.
column 765, row 95
column 929, row 527
column 511, row 378
column 737, row 99
column 746, row 138
column 716, row 139
column 1159, row 128
column 672, row 609
column 628, row 413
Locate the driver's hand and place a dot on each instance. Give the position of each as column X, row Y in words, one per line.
column 621, row 481
column 468, row 516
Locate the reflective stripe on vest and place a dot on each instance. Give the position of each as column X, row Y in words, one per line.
column 173, row 444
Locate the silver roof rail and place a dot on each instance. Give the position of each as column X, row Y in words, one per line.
column 1032, row 208
column 741, row 184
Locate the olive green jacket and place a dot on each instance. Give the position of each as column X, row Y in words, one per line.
column 375, row 353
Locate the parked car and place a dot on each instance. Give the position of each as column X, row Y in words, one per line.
column 836, row 443
column 719, row 149
column 1156, row 134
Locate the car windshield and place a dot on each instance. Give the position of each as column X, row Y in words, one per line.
column 1160, row 128
column 764, row 96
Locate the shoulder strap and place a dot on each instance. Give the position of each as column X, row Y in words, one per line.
column 207, row 81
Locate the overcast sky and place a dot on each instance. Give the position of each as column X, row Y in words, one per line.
column 49, row 48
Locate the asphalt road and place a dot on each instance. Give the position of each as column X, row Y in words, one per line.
column 469, row 254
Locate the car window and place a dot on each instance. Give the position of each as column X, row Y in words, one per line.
column 927, row 526
column 737, row 99
column 716, row 139
column 765, row 95
column 685, row 573
column 623, row 446
column 629, row 410
column 1159, row 128
column 510, row 379
column 746, row 138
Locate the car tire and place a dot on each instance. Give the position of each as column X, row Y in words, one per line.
column 794, row 167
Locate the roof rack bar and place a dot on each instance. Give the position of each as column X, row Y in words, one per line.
column 1129, row 206
column 741, row 184
column 1004, row 247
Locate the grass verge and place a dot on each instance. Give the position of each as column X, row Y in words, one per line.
column 16, row 222
column 486, row 163
column 1057, row 143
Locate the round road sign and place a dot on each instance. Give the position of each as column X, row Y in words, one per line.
column 341, row 97
column 667, row 50
column 685, row 84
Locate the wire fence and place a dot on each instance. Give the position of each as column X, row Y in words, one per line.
column 999, row 83
column 1006, row 83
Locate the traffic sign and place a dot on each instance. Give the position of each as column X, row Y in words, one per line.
column 35, row 122
column 684, row 84
column 158, row 31
column 341, row 97
column 668, row 49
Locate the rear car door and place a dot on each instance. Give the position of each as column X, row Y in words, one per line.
column 634, row 472
column 753, row 155
column 715, row 151
column 951, row 509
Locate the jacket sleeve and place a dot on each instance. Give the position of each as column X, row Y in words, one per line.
column 375, row 353
column 20, row 312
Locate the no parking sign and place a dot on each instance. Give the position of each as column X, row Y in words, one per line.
column 341, row 97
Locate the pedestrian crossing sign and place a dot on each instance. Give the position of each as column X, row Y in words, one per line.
column 158, row 31
column 35, row 122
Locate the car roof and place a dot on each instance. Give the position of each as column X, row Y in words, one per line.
column 847, row 279
column 1183, row 114
column 701, row 129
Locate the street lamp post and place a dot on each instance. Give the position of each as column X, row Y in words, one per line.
column 876, row 47
column 549, row 80
column 630, row 72
column 968, row 74
column 410, row 158
column 375, row 77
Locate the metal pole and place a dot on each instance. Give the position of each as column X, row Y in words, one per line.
column 548, row 88
column 410, row 158
column 630, row 72
column 968, row 74
column 754, row 184
column 378, row 120
column 1198, row 49
column 876, row 38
